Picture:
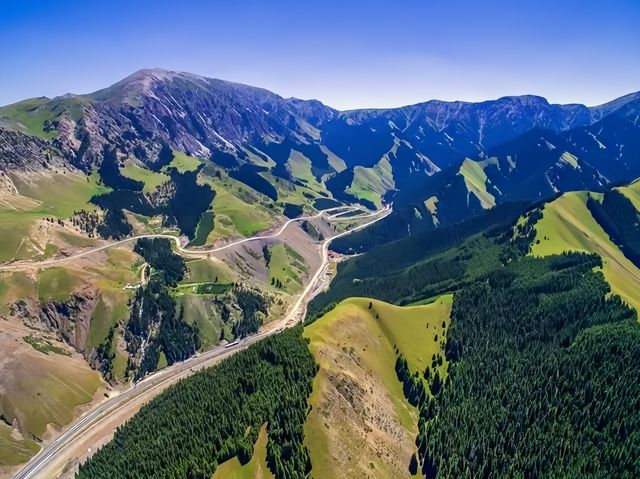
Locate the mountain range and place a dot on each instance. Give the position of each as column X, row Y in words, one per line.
column 512, row 148
column 500, row 281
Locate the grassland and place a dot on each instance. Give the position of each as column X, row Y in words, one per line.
column 29, row 116
column 44, row 389
column 632, row 192
column 567, row 225
column 372, row 183
column 57, row 283
column 570, row 160
column 76, row 240
column 14, row 451
column 431, row 204
column 476, row 181
column 151, row 179
column 238, row 210
column 286, row 266
column 289, row 192
column 111, row 309
column 256, row 468
column 13, row 286
column 208, row 270
column 120, row 267
column 55, row 195
column 360, row 424
column 199, row 310
column 204, row 229
column 61, row 194
column 162, row 361
column 183, row 162
column 300, row 167
column 45, row 346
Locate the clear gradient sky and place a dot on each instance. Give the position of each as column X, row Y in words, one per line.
column 345, row 53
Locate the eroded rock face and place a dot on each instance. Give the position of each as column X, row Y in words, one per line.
column 191, row 113
column 26, row 153
column 71, row 319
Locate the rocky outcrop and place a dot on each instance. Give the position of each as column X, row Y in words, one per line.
column 20, row 152
column 71, row 319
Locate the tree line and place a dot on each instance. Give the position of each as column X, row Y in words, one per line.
column 543, row 378
column 216, row 414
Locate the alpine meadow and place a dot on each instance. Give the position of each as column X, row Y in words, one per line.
column 205, row 279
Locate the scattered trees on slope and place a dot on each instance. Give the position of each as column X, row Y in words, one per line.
column 158, row 253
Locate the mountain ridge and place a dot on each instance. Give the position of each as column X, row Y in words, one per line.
column 364, row 155
column 169, row 73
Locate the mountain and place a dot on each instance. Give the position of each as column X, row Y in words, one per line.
column 511, row 340
column 234, row 124
column 536, row 165
column 439, row 162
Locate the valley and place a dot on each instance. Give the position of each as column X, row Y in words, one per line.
column 204, row 278
column 97, row 427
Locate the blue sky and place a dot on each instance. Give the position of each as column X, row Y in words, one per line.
column 345, row 53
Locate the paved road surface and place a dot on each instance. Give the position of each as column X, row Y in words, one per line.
column 154, row 384
column 18, row 265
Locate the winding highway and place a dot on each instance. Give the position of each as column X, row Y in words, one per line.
column 51, row 460
column 18, row 265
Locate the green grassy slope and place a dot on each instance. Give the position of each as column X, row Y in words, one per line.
column 29, row 116
column 286, row 266
column 372, row 183
column 57, row 283
column 183, row 162
column 632, row 192
column 256, row 468
column 567, row 225
column 238, row 210
column 356, row 390
column 476, row 181
column 13, row 450
column 300, row 167
column 54, row 195
column 47, row 391
column 151, row 179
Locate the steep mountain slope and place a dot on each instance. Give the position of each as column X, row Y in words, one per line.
column 360, row 422
column 254, row 131
column 536, row 165
column 568, row 224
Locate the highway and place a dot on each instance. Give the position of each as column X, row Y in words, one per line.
column 46, row 463
column 47, row 263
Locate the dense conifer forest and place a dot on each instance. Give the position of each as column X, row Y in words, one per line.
column 544, row 378
column 543, row 374
column 217, row 414
column 158, row 253
column 421, row 266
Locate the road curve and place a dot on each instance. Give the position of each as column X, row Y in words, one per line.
column 187, row 252
column 154, row 384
